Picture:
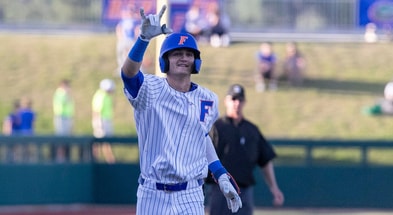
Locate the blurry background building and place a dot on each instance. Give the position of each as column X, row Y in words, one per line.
column 278, row 19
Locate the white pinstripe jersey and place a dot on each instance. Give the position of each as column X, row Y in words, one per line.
column 173, row 130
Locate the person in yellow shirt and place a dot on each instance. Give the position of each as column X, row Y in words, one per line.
column 63, row 114
column 63, row 108
column 102, row 110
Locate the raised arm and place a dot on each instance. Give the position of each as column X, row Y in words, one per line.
column 150, row 28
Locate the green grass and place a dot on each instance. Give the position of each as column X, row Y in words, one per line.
column 341, row 79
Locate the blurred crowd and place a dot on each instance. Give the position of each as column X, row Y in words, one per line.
column 209, row 25
column 268, row 75
column 21, row 122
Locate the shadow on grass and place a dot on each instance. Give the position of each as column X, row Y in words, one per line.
column 331, row 85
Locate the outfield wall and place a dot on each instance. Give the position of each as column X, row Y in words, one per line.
column 304, row 185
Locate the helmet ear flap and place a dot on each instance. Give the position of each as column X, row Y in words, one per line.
column 197, row 66
column 164, row 64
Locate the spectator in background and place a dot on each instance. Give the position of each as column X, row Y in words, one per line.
column 383, row 106
column 266, row 66
column 102, row 110
column 27, row 128
column 27, row 116
column 126, row 31
column 20, row 121
column 63, row 114
column 11, row 126
column 370, row 34
column 218, row 26
column 241, row 147
column 195, row 23
column 63, row 109
column 294, row 65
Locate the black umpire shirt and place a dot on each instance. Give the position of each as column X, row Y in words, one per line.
column 240, row 149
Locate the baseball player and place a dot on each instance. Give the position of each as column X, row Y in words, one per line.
column 173, row 117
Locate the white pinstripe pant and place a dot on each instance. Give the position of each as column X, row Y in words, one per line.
column 151, row 201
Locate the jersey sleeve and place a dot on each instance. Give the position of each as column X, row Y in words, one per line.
column 266, row 151
column 142, row 91
column 132, row 85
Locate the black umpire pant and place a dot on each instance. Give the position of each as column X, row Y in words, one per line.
column 217, row 203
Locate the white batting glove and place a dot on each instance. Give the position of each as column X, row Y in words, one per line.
column 233, row 199
column 151, row 26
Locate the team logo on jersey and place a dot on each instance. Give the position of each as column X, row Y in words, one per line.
column 182, row 40
column 205, row 107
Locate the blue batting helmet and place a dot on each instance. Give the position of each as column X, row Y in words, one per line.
column 179, row 41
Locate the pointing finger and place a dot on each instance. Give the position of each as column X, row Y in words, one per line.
column 162, row 11
column 142, row 11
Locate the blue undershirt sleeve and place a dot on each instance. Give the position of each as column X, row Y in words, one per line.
column 133, row 84
column 217, row 169
column 138, row 50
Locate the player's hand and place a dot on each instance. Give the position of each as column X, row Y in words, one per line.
column 233, row 199
column 151, row 26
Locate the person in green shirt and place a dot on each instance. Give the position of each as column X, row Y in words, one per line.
column 63, row 109
column 63, row 114
column 102, row 114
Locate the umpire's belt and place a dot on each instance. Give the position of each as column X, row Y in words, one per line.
column 171, row 187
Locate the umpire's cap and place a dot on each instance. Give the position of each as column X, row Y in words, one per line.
column 236, row 91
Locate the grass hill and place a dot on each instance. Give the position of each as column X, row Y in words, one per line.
column 341, row 79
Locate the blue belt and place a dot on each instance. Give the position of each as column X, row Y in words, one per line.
column 171, row 187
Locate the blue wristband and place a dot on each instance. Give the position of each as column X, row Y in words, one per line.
column 217, row 169
column 138, row 50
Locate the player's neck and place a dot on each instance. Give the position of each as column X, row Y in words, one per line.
column 181, row 84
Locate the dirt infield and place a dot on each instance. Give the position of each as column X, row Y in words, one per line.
column 67, row 210
column 76, row 209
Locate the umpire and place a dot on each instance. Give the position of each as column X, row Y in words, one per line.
column 241, row 147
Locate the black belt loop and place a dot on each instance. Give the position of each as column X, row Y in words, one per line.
column 200, row 182
column 141, row 180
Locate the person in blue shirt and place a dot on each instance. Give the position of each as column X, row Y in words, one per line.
column 266, row 59
column 11, row 123
column 11, row 126
column 27, row 116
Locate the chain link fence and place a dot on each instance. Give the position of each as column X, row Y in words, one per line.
column 250, row 15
